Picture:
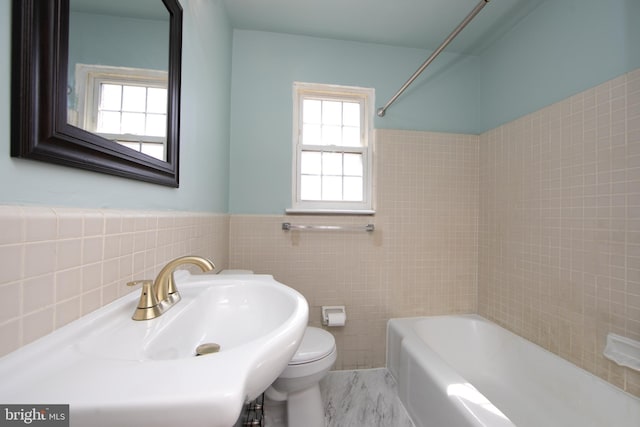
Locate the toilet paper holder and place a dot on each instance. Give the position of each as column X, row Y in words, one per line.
column 333, row 310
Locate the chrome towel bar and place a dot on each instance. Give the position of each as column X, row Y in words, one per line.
column 287, row 226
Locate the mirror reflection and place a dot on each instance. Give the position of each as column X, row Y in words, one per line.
column 118, row 69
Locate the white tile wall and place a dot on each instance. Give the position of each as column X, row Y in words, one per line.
column 57, row 264
column 560, row 225
column 421, row 259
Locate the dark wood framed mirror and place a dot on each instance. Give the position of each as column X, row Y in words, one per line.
column 40, row 126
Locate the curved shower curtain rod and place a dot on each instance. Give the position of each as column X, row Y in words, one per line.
column 382, row 110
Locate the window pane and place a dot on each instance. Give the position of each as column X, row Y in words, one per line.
column 109, row 122
column 134, row 98
column 153, row 150
column 331, row 163
column 311, row 134
column 351, row 114
column 331, row 113
column 331, row 188
column 331, row 135
column 310, row 187
column 331, row 147
column 311, row 163
column 353, row 164
column 110, row 97
column 156, row 125
column 311, row 111
column 156, row 100
column 133, row 123
column 353, row 189
column 351, row 137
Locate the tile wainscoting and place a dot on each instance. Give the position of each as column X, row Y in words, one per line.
column 57, row 264
column 560, row 225
column 421, row 260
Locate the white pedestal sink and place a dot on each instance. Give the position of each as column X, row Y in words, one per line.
column 114, row 371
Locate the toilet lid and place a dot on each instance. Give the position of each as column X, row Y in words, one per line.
column 316, row 344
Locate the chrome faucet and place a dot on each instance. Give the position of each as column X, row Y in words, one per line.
column 160, row 295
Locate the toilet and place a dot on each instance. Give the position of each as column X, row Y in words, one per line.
column 298, row 384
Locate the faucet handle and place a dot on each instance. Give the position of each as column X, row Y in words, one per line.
column 148, row 305
column 148, row 297
column 139, row 282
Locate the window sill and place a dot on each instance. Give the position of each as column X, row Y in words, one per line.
column 363, row 212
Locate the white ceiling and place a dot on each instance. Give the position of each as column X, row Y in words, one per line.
column 410, row 23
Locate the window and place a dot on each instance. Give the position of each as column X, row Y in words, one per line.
column 333, row 156
column 126, row 105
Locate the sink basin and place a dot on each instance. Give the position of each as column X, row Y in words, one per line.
column 113, row 370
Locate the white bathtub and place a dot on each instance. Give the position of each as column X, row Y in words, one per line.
column 458, row 371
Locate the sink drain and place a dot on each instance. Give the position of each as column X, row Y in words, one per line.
column 207, row 348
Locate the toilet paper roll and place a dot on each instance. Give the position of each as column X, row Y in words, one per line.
column 336, row 319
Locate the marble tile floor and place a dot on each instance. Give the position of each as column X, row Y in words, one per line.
column 360, row 398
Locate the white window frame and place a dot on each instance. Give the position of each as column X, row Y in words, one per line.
column 88, row 80
column 364, row 96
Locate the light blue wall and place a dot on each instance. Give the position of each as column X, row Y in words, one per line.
column 206, row 80
column 563, row 47
column 265, row 65
column 138, row 43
